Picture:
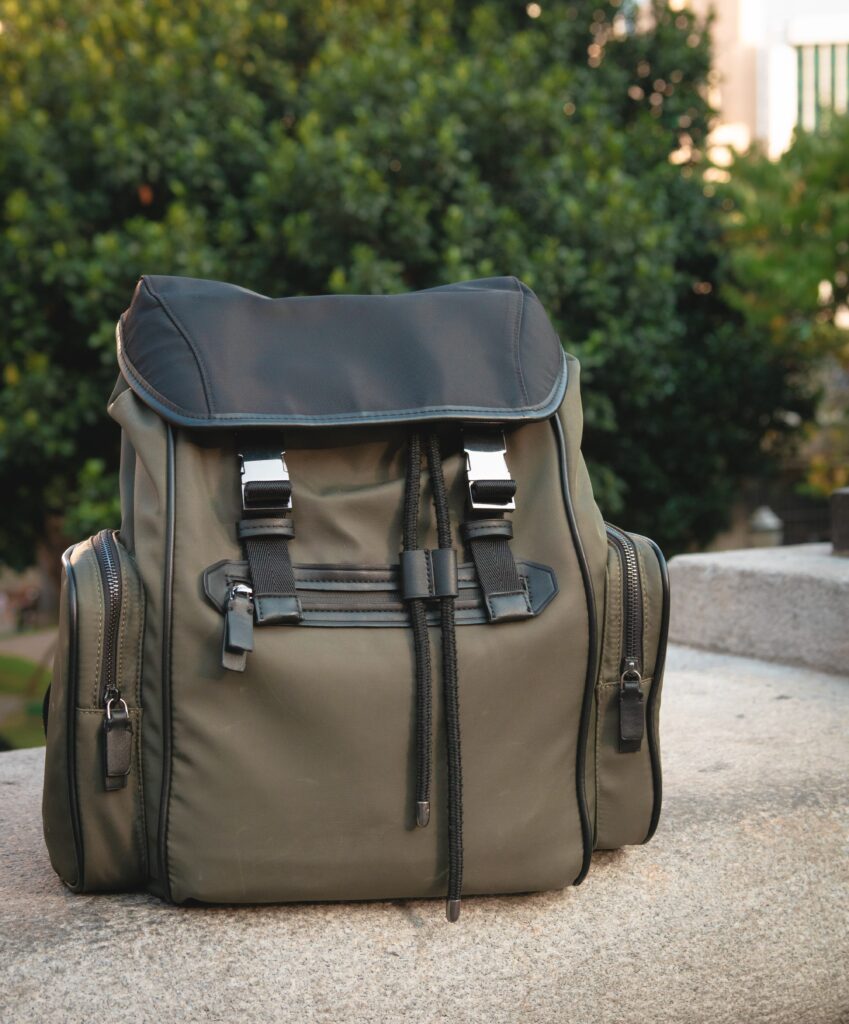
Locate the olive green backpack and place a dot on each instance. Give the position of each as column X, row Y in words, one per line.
column 363, row 633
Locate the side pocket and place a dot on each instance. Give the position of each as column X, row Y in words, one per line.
column 627, row 750
column 93, row 806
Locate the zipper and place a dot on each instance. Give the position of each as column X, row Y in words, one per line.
column 117, row 726
column 631, row 696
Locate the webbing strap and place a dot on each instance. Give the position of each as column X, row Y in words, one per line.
column 505, row 593
column 272, row 576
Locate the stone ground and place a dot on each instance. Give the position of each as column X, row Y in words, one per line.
column 736, row 912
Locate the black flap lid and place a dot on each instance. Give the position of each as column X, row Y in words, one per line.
column 207, row 354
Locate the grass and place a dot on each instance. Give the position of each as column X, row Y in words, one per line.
column 22, row 686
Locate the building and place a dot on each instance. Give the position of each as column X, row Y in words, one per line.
column 780, row 63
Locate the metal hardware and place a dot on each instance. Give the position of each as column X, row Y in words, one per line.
column 111, row 701
column 631, row 673
column 486, row 462
column 264, row 466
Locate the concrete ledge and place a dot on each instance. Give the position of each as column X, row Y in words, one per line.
column 734, row 912
column 788, row 604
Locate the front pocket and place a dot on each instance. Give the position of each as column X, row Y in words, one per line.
column 93, row 805
column 627, row 755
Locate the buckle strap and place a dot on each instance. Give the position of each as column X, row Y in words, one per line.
column 266, row 486
column 265, row 530
column 490, row 484
column 491, row 488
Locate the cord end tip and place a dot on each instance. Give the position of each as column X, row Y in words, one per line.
column 422, row 813
column 452, row 910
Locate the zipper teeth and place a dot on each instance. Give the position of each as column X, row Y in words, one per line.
column 110, row 574
column 632, row 612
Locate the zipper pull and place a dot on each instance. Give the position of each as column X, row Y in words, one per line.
column 117, row 742
column 238, row 628
column 631, row 707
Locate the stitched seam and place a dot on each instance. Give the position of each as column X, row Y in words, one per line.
column 172, row 316
column 141, row 826
column 98, row 672
column 341, row 418
column 517, row 334
column 142, row 810
column 125, row 612
column 598, row 719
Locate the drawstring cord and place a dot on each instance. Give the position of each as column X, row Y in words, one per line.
column 450, row 693
column 421, row 643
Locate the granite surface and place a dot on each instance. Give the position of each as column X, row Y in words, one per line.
column 787, row 604
column 736, row 912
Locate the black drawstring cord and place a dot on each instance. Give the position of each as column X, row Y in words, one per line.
column 450, row 692
column 421, row 642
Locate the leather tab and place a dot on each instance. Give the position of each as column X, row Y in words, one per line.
column 631, row 716
column 117, row 747
column 509, row 606
column 500, row 527
column 275, row 611
column 238, row 633
column 444, row 566
column 428, row 574
column 276, row 526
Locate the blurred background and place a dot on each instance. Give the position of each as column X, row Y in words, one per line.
column 671, row 178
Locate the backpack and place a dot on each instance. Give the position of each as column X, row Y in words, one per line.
column 363, row 633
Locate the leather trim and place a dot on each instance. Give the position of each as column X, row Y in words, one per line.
column 71, row 718
column 657, row 683
column 592, row 657
column 167, row 629
column 175, row 351
column 371, row 595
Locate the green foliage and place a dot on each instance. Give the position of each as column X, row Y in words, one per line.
column 788, row 272
column 372, row 146
column 22, row 686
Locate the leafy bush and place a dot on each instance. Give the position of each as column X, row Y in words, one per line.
column 373, row 146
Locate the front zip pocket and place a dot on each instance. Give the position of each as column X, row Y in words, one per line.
column 627, row 758
column 93, row 806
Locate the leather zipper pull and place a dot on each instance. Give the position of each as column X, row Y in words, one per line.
column 117, row 744
column 631, row 708
column 238, row 628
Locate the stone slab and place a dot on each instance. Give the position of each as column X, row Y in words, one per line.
column 788, row 604
column 736, row 912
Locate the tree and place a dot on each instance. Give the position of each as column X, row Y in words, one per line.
column 787, row 274
column 373, row 146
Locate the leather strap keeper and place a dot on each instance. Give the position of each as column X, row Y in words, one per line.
column 277, row 526
column 428, row 574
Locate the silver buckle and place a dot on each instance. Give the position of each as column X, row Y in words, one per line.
column 486, row 460
column 268, row 465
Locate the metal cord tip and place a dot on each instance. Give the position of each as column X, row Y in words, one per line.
column 422, row 813
column 452, row 910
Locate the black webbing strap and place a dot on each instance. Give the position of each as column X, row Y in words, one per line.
column 265, row 530
column 505, row 593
